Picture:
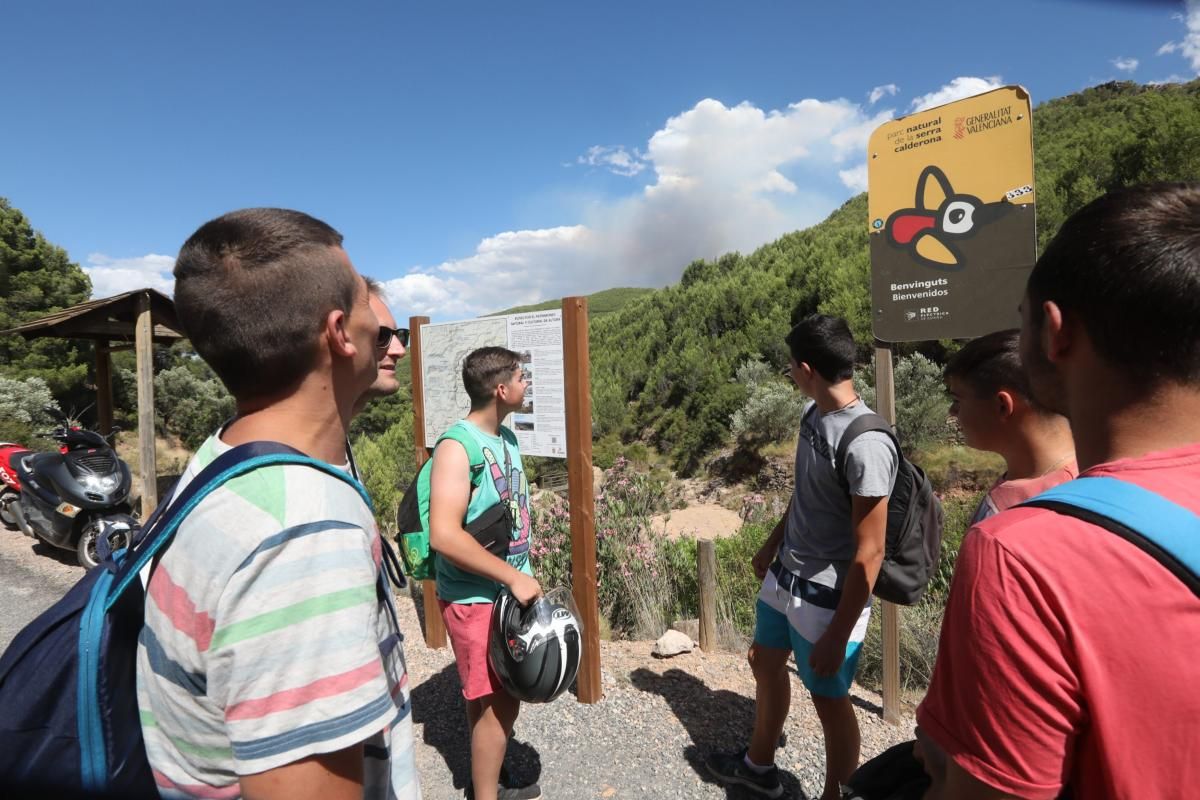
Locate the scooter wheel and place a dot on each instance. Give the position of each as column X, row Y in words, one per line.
column 7, row 518
column 85, row 548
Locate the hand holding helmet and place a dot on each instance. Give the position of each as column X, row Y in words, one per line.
column 535, row 649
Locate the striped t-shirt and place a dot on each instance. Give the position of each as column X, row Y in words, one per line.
column 270, row 636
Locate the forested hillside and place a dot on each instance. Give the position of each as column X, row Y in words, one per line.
column 604, row 302
column 663, row 366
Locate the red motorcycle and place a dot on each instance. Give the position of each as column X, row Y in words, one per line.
column 10, row 485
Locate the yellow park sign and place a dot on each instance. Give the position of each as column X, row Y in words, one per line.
column 951, row 214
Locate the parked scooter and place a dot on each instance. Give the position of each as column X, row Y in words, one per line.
column 10, row 487
column 76, row 499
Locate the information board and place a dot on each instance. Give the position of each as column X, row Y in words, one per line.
column 541, row 423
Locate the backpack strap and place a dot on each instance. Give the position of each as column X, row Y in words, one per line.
column 167, row 517
column 857, row 427
column 1163, row 529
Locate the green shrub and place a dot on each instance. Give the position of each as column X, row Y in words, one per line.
column 387, row 464
column 23, row 404
column 922, row 406
column 772, row 408
column 920, row 627
column 189, row 405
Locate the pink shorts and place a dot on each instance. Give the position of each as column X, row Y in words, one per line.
column 469, row 626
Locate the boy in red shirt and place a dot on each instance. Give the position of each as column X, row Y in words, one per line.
column 1069, row 657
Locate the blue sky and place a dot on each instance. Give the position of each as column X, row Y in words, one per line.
column 477, row 155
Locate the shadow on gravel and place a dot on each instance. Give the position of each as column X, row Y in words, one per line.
column 715, row 721
column 438, row 705
column 60, row 555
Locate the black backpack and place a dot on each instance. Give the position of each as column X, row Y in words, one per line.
column 914, row 520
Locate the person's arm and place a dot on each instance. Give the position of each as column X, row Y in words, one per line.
column 449, row 496
column 761, row 561
column 869, row 518
column 949, row 780
column 327, row 776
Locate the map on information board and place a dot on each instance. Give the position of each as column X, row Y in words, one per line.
column 540, row 424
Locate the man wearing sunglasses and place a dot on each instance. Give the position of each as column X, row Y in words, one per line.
column 390, row 346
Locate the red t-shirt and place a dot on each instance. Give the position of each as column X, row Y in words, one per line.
column 1068, row 655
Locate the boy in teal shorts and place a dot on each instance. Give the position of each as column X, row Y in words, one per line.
column 469, row 577
column 818, row 567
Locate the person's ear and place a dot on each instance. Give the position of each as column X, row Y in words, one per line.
column 1058, row 332
column 1005, row 403
column 337, row 336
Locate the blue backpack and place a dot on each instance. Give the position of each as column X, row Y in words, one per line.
column 1163, row 529
column 68, row 681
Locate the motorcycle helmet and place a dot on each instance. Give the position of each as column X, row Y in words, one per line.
column 535, row 649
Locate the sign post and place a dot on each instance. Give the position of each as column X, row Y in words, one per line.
column 951, row 212
column 576, row 363
column 435, row 628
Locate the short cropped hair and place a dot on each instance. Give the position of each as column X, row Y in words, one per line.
column 374, row 287
column 252, row 291
column 990, row 364
column 485, row 369
column 825, row 344
column 1128, row 265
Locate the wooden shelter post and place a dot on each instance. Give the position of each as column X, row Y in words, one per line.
column 435, row 629
column 885, row 402
column 576, row 368
column 144, row 344
column 104, row 396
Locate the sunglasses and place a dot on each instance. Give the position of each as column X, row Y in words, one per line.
column 384, row 338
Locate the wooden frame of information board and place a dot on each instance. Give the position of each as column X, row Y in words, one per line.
column 577, row 386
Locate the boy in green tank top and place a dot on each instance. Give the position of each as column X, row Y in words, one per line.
column 469, row 577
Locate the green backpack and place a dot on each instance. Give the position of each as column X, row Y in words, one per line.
column 492, row 529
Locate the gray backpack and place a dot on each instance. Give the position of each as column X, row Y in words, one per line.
column 914, row 520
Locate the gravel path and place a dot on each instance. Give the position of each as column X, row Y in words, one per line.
column 32, row 576
column 646, row 739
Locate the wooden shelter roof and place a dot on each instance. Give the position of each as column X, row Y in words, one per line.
column 109, row 319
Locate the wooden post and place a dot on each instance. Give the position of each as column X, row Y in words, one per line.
column 144, row 344
column 706, row 557
column 104, row 400
column 576, row 367
column 885, row 405
column 435, row 629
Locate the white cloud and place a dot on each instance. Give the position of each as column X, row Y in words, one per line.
column 111, row 276
column 855, row 178
column 1125, row 64
column 1189, row 47
column 1170, row 79
column 956, row 89
column 880, row 92
column 723, row 178
column 614, row 158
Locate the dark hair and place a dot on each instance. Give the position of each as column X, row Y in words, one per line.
column 374, row 287
column 1128, row 265
column 825, row 344
column 252, row 290
column 991, row 363
column 486, row 368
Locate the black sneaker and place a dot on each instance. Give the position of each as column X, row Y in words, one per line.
column 731, row 768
